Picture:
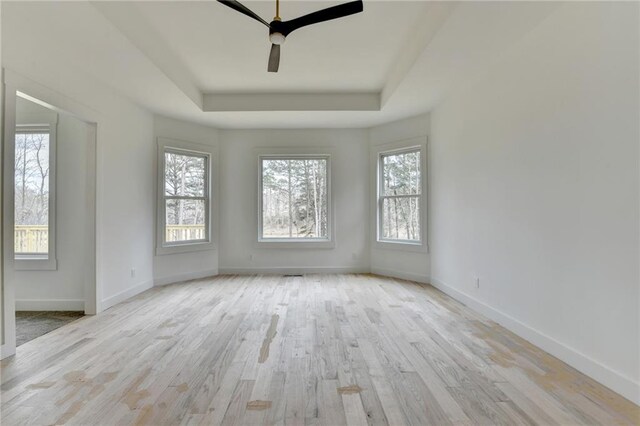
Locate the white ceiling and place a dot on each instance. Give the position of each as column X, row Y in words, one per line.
column 394, row 60
column 227, row 52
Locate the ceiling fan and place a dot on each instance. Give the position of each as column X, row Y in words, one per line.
column 279, row 30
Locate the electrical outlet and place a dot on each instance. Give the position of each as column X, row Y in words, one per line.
column 477, row 281
column 133, row 272
column 250, row 257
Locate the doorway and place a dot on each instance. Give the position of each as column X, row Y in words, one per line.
column 49, row 216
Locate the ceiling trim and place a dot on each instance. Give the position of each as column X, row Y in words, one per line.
column 291, row 102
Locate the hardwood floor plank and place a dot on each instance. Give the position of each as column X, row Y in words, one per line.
column 386, row 395
column 320, row 349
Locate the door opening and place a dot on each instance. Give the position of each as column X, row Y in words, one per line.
column 48, row 217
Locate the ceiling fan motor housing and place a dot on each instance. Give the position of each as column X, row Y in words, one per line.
column 276, row 32
column 277, row 26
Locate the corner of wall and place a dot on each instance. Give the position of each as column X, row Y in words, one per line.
column 187, row 276
column 401, row 264
column 172, row 268
column 125, row 294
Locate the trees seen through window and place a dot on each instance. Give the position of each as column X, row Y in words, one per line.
column 295, row 198
column 31, row 192
column 185, row 190
column 400, row 193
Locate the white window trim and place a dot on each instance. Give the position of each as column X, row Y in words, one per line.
column 399, row 147
column 35, row 262
column 210, row 152
column 296, row 243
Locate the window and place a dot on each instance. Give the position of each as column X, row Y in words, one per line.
column 184, row 210
column 400, row 196
column 34, row 201
column 294, row 198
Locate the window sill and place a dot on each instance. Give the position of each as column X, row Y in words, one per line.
column 401, row 246
column 26, row 263
column 273, row 243
column 185, row 248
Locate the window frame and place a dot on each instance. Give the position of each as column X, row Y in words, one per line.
column 41, row 261
column 196, row 150
column 296, row 243
column 395, row 148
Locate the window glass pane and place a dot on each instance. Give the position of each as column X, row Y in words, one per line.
column 294, row 198
column 184, row 175
column 185, row 220
column 401, row 174
column 32, row 193
column 401, row 218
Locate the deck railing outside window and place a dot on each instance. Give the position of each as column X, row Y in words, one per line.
column 35, row 238
column 31, row 239
column 185, row 232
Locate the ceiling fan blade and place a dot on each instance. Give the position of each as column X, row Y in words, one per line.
column 327, row 14
column 274, row 58
column 236, row 5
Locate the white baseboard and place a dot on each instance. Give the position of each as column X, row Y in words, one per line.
column 393, row 273
column 296, row 270
column 50, row 305
column 614, row 380
column 124, row 295
column 184, row 277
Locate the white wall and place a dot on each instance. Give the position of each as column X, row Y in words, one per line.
column 125, row 153
column 171, row 268
column 1, row 195
column 350, row 186
column 535, row 189
column 387, row 261
column 125, row 202
column 63, row 289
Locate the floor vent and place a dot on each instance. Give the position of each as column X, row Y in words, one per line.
column 292, row 275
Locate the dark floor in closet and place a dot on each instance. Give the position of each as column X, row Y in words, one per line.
column 32, row 324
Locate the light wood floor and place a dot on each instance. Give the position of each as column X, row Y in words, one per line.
column 319, row 349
